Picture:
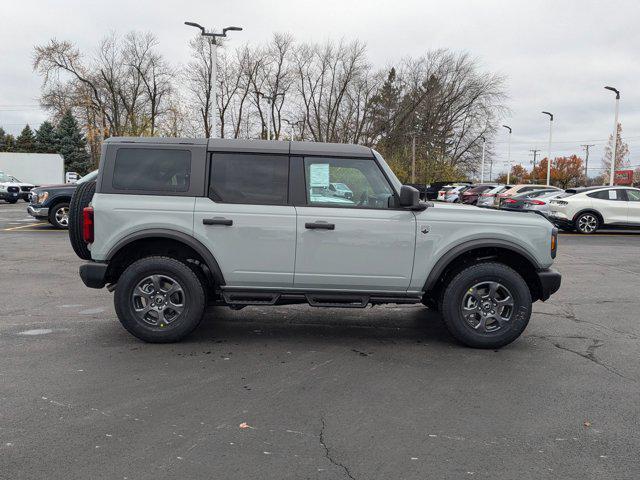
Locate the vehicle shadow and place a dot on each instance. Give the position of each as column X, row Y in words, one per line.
column 316, row 325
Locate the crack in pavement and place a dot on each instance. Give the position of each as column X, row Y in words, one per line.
column 568, row 313
column 591, row 356
column 327, row 454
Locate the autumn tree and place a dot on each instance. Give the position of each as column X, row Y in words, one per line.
column 622, row 152
column 519, row 174
column 567, row 171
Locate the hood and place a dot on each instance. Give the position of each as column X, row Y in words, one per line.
column 459, row 212
column 55, row 187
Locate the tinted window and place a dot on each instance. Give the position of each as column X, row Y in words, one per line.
column 249, row 178
column 366, row 185
column 607, row 195
column 148, row 169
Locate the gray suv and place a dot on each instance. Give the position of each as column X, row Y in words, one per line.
column 179, row 224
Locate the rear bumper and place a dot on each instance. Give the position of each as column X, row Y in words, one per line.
column 560, row 222
column 93, row 274
column 549, row 282
column 38, row 212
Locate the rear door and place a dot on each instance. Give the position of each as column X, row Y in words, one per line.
column 633, row 201
column 612, row 205
column 358, row 243
column 246, row 220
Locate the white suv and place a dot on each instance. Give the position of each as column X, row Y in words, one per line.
column 588, row 209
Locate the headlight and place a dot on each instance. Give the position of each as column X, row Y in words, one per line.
column 42, row 197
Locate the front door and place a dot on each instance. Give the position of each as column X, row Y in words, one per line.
column 246, row 220
column 358, row 241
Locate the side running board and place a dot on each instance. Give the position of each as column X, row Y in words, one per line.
column 338, row 299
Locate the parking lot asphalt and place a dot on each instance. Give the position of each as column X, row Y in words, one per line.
column 295, row 392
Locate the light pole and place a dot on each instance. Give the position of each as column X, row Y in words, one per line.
column 615, row 136
column 291, row 126
column 214, row 64
column 549, row 151
column 270, row 100
column 484, row 141
column 508, row 154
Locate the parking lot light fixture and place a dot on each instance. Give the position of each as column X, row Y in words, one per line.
column 508, row 154
column 549, row 150
column 214, row 62
column 615, row 136
column 484, row 141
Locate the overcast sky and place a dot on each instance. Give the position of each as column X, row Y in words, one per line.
column 557, row 55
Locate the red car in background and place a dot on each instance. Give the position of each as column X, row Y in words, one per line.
column 470, row 196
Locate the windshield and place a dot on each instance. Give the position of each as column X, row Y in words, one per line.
column 4, row 177
column 88, row 177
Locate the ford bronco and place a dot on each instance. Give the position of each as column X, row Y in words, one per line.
column 175, row 225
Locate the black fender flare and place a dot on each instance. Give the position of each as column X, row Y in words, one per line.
column 181, row 237
column 469, row 245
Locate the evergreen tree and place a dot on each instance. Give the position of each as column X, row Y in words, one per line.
column 46, row 138
column 26, row 141
column 7, row 142
column 3, row 138
column 72, row 145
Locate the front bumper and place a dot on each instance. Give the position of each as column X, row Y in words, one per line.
column 38, row 212
column 549, row 280
column 93, row 274
column 10, row 196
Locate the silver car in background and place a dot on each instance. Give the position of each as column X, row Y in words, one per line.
column 540, row 203
column 487, row 199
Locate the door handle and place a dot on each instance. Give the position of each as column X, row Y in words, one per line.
column 319, row 226
column 217, row 221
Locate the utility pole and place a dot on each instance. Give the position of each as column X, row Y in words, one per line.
column 271, row 99
column 413, row 158
column 586, row 163
column 214, row 64
column 535, row 156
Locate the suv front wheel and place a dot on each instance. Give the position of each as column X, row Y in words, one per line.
column 159, row 300
column 486, row 305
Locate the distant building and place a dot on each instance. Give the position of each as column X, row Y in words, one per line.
column 35, row 168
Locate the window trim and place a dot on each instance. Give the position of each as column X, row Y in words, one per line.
column 209, row 169
column 623, row 195
column 394, row 194
column 104, row 180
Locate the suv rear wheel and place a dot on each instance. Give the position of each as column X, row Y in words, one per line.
column 486, row 305
column 587, row 223
column 159, row 299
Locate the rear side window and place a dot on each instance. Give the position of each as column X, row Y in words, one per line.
column 607, row 195
column 155, row 170
column 249, row 178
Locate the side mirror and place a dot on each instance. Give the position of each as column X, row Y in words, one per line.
column 410, row 198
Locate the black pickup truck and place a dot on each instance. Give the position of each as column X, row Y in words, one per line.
column 51, row 202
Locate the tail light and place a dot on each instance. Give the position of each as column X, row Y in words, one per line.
column 486, row 195
column 509, row 200
column 535, row 202
column 87, row 224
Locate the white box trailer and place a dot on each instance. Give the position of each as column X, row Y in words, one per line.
column 36, row 168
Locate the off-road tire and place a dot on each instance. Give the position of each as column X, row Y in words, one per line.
column 458, row 289
column 79, row 200
column 194, row 299
column 53, row 215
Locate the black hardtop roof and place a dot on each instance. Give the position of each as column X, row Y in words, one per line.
column 256, row 146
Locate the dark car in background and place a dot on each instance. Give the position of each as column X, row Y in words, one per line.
column 527, row 200
column 470, row 196
column 51, row 202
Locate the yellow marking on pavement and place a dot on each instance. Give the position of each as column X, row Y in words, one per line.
column 24, row 226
